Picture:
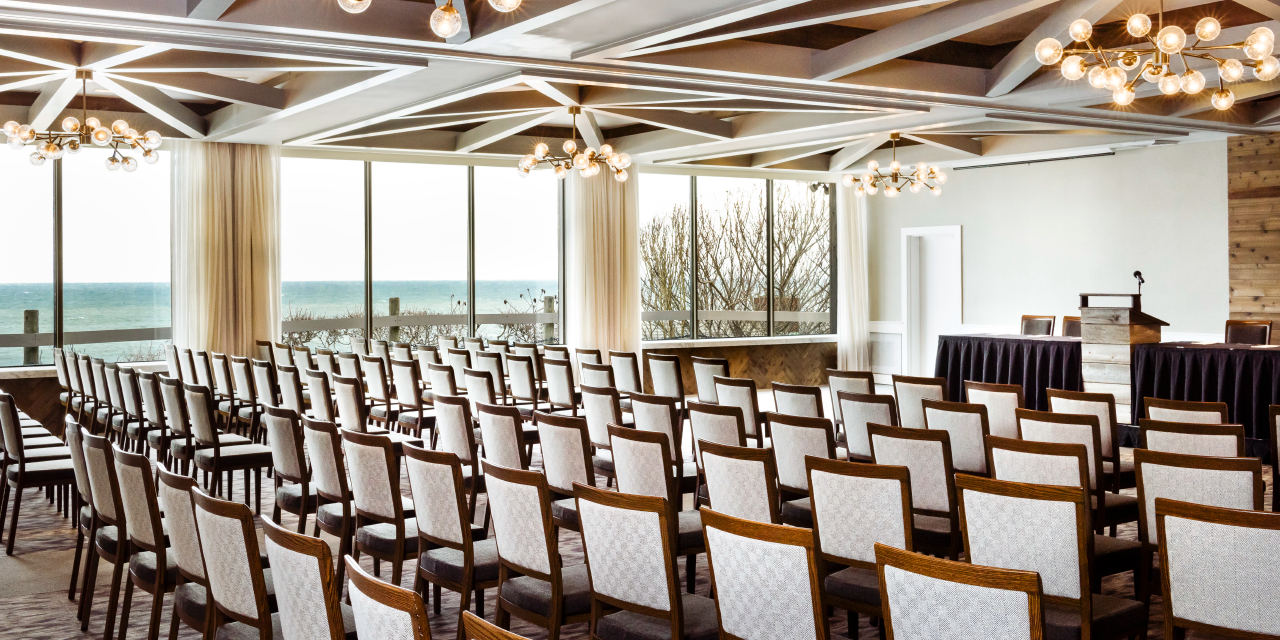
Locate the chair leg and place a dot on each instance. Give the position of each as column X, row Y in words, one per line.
column 480, row 603
column 13, row 524
column 463, row 607
column 4, row 499
column 124, row 609
column 113, row 596
column 75, row 564
column 257, row 494
column 157, row 605
column 86, row 592
column 691, row 572
column 173, row 620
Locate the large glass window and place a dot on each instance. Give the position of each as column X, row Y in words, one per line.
column 322, row 251
column 517, row 255
column 419, row 251
column 802, row 252
column 664, row 256
column 26, row 263
column 733, row 272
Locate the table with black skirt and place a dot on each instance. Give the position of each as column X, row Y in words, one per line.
column 1245, row 377
column 1035, row 362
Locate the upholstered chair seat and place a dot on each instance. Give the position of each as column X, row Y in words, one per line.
column 1120, row 617
column 143, row 564
column 533, row 594
column 565, row 511
column 931, row 531
column 239, row 631
column 182, row 449
column 245, row 455
column 448, row 563
column 699, row 622
column 1115, row 555
column 798, row 513
column 45, row 454
column 40, row 442
column 1127, row 477
column 857, row 584
column 48, row 471
column 289, row 497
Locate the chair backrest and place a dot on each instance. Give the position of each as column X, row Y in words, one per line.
column 595, row 375
column 321, row 399
column 1212, row 574
column 705, row 371
column 1102, row 405
column 439, row 498
column 659, row 414
column 442, row 379
column 497, row 346
column 458, row 360
column 528, row 350
column 797, row 400
column 968, row 426
column 282, row 354
column 1037, row 325
column 138, row 499
column 1071, row 326
column 349, row 365
column 1185, row 411
column 103, row 485
column 381, row 350
column 856, row 411
column 857, row 505
column 70, row 363
column 601, row 407
column 626, row 371
column 910, row 392
column 555, row 352
column 302, row 357
column 473, row 344
column 383, row 610
column 502, row 432
column 222, row 375
column 523, row 378
column 153, row 408
column 1027, row 461
column 586, row 356
column 1248, row 332
column 173, row 495
column 715, row 423
column 99, row 368
column 60, row 366
column 1002, row 402
column 849, row 381
column 175, row 405
column 926, row 597
column 201, row 410
column 242, row 375
column 290, row 388
column 1220, row 440
column 444, row 343
column 566, row 451
column 232, row 562
column 84, row 366
column 424, row 355
column 349, row 394
column 359, row 346
column 479, row 387
column 203, row 368
column 75, row 443
column 326, row 361
column 1043, row 426
column 560, row 386
column 787, row 605
column 375, row 376
column 491, row 362
column 927, row 453
column 475, row 628
column 10, row 424
column 665, row 375
column 628, row 543
column 741, row 393
column 642, row 463
column 375, row 480
column 1231, row 483
column 796, row 438
column 187, row 364
column 284, row 435
column 328, row 469
column 306, row 589
column 112, row 374
column 741, row 481
column 404, row 374
column 454, row 428
column 520, row 501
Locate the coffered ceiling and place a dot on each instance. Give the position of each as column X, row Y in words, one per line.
column 811, row 85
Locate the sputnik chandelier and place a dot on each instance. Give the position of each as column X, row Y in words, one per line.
column 1109, row 66
column 588, row 161
column 896, row 181
column 446, row 21
column 52, row 145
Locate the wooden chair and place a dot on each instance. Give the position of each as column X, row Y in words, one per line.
column 237, row 589
column 360, row 346
column 491, row 362
column 845, row 494
column 705, row 370
column 797, row 400
column 586, row 356
column 660, row 414
column 335, row 513
column 991, row 612
column 444, row 343
column 927, row 454
column 109, row 535
column 379, row 511
column 215, row 458
column 262, row 350
column 787, row 605
column 1102, row 405
column 385, row 611
column 629, row 544
column 1230, row 483
column 795, row 440
column 1210, row 577
column 455, row 434
column 476, row 628
column 321, row 398
column 503, row 436
column 741, row 481
column 1037, row 325
column 602, row 407
column 458, row 360
column 190, row 600
column 281, row 354
column 848, row 381
column 289, row 382
column 533, row 584
column 441, row 379
column 626, row 374
column 742, row 393
column 596, row 375
column 1185, row 411
column 1273, row 428
column 968, row 426
column 24, row 468
column 289, row 460
column 1220, row 440
column 1046, row 529
column 1002, row 402
column 718, row 424
column 306, row 592
column 150, row 566
column 857, row 411
column 82, row 502
column 381, row 412
column 1071, row 326
column 910, row 391
column 522, row 376
column 666, row 377
column 302, row 358
column 246, row 408
column 562, row 394
column 556, row 352
column 1248, row 332
column 566, row 460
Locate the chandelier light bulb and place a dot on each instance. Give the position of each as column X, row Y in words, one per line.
column 624, row 160
column 1049, row 51
column 1073, row 67
column 1267, row 68
column 26, row 133
column 92, row 123
column 891, row 191
column 354, row 6
column 1231, row 70
column 446, row 22
column 937, row 191
column 1138, row 25
column 873, row 166
column 1080, row 30
column 580, row 161
column 1259, row 44
column 561, row 172
column 1193, row 82
column 152, row 140
column 1097, row 77
column 150, row 157
column 73, row 146
column 101, row 137
column 1129, row 61
column 70, row 124
column 940, row 178
column 505, row 6
column 860, row 192
column 541, row 150
column 11, row 128
column 131, row 133
column 872, row 189
column 868, row 178
column 1170, row 84
column 1114, row 78
column 119, row 127
column 570, row 146
column 1171, row 39
column 49, row 150
column 130, row 164
column 915, row 187
column 848, row 180
column 620, row 176
column 1223, row 99
column 590, row 152
column 36, row 159
column 1208, row 28
column 113, row 163
column 1123, row 96
column 895, row 167
column 606, row 150
column 1153, row 72
column 15, row 142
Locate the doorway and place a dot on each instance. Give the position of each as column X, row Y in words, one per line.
column 932, row 293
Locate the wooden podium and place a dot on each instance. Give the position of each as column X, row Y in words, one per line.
column 1110, row 325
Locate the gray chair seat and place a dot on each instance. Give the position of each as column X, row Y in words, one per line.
column 330, row 515
column 248, row 456
column 289, row 498
column 62, row 397
column 855, row 584
column 603, row 460
column 157, row 439
column 416, row 417
column 1119, row 617
column 118, row 421
column 86, row 516
column 44, row 472
column 35, row 431
column 1128, row 478
column 191, row 599
column 700, row 622
column 532, row 594
column 381, row 537
column 798, row 513
column 380, row 411
column 448, row 563
column 246, row 413
column 41, row 442
column 931, row 531
column 240, row 631
column 1121, row 508
column 143, row 565
column 224, row 406
column 566, row 511
column 108, row 538
column 179, row 447
column 77, row 402
column 46, row 454
column 1115, row 555
column 690, row 535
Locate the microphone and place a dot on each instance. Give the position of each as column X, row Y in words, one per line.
column 1141, row 281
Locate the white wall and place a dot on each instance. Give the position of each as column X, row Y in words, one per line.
column 1035, row 236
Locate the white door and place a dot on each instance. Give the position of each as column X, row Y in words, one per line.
column 932, row 300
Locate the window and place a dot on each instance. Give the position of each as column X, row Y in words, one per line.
column 664, row 256
column 802, row 258
column 321, row 251
column 733, row 269
column 26, row 264
column 517, row 255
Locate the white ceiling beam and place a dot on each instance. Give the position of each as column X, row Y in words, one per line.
column 52, row 100
column 59, row 54
column 183, row 60
column 1019, row 64
column 767, row 106
column 208, row 9
column 779, row 156
column 98, row 56
column 154, row 102
column 756, row 125
column 496, row 130
column 1266, row 112
column 565, row 94
column 677, row 120
column 741, row 11
column 400, row 125
column 15, row 83
column 855, row 151
column 494, row 28
column 1132, row 126
column 207, row 85
column 591, row 133
column 958, row 143
column 945, row 23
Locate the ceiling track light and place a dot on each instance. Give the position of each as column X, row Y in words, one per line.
column 896, row 181
column 589, row 161
column 1107, row 68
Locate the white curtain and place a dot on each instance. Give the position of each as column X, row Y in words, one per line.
column 603, row 263
column 226, row 245
column 853, row 322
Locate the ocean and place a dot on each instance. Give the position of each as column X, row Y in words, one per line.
column 100, row 306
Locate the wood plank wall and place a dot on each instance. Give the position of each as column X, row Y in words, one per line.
column 1253, row 219
column 789, row 363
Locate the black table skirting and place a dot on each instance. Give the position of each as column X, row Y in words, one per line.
column 1036, row 363
column 1247, row 379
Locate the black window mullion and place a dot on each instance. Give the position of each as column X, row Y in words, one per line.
column 57, row 254
column 471, row 251
column 368, row 250
column 768, row 260
column 693, row 257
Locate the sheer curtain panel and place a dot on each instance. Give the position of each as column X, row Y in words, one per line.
column 603, row 262
column 852, row 300
column 226, row 245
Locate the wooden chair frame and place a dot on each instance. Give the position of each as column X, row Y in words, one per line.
column 1246, row 323
column 674, row 362
column 935, row 382
column 866, row 376
column 1022, row 325
column 1067, row 322
column 631, row 362
column 580, row 425
column 721, row 364
column 217, row 615
column 758, row 426
column 345, row 532
column 799, row 390
column 318, row 549
column 364, row 518
column 755, row 455
column 1184, row 405
column 801, row 422
column 525, row 448
column 959, row 407
column 1192, row 428
column 158, row 587
column 952, row 514
column 870, row 398
column 281, row 476
column 1112, row 456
